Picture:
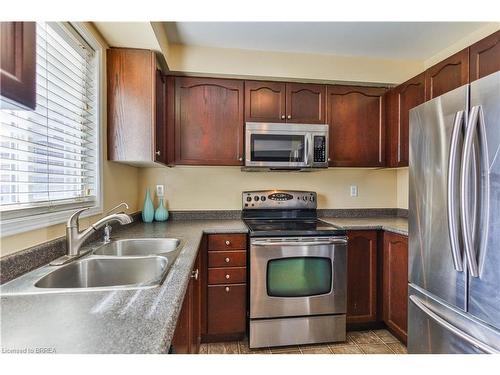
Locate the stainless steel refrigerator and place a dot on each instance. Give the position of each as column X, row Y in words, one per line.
column 454, row 221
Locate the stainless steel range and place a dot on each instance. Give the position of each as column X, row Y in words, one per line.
column 297, row 270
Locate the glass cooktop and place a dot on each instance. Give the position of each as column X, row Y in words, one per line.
column 296, row 227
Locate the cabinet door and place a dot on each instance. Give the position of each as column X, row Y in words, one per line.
column 160, row 155
column 265, row 101
column 447, row 74
column 395, row 284
column 195, row 316
column 485, row 56
column 18, row 63
column 208, row 121
column 226, row 309
column 400, row 100
column 305, row 103
column 131, row 75
column 362, row 276
column 355, row 117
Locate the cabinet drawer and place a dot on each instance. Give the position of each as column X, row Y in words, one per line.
column 227, row 258
column 226, row 309
column 227, row 242
column 227, row 275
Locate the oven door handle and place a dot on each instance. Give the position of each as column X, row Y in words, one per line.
column 338, row 241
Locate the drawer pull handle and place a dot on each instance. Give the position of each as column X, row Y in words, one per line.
column 195, row 274
column 227, row 289
column 228, row 242
column 227, row 260
column 227, row 277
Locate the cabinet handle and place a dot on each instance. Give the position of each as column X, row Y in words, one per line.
column 240, row 159
column 227, row 289
column 329, row 159
column 227, row 260
column 282, row 117
column 228, row 242
column 195, row 274
column 289, row 117
column 158, row 153
column 227, row 277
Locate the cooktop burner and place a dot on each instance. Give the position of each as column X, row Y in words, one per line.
column 296, row 227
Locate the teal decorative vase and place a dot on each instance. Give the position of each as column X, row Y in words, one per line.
column 161, row 213
column 148, row 211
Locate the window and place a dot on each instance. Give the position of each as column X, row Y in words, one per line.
column 49, row 158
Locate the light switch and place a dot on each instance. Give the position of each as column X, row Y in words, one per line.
column 354, row 190
column 160, row 190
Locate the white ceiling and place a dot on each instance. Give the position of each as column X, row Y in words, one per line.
column 392, row 40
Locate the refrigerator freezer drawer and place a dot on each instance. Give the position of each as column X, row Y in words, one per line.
column 435, row 327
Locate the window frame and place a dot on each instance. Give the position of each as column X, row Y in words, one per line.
column 12, row 222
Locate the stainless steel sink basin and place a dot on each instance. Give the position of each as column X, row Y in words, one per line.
column 106, row 272
column 139, row 247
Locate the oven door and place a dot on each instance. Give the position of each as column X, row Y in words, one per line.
column 297, row 276
column 277, row 146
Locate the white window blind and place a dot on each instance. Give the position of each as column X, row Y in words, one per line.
column 49, row 157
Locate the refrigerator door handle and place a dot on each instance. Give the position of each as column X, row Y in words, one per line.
column 470, row 251
column 450, row 327
column 450, row 194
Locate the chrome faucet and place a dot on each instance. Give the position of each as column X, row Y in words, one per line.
column 75, row 238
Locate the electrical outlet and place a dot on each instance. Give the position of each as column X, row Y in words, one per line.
column 354, row 190
column 160, row 190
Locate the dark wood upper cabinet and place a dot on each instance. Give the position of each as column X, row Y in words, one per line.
column 395, row 284
column 447, row 75
column 362, row 276
column 136, row 105
column 399, row 101
column 208, row 121
column 305, row 103
column 485, row 57
column 18, row 64
column 355, row 116
column 265, row 101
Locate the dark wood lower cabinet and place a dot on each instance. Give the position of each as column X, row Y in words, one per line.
column 226, row 309
column 362, row 276
column 395, row 284
column 187, row 335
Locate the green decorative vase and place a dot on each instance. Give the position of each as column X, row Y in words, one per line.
column 148, row 211
column 161, row 213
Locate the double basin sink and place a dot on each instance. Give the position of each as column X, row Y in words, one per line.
column 123, row 263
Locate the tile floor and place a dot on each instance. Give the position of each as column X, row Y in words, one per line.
column 358, row 342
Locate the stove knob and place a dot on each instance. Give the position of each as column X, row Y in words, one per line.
column 256, row 198
column 304, row 198
column 249, row 199
column 262, row 198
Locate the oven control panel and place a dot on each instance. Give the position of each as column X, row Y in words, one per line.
column 280, row 199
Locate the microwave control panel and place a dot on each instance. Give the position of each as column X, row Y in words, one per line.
column 319, row 149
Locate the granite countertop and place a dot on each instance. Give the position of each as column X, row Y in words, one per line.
column 116, row 321
column 127, row 321
column 391, row 224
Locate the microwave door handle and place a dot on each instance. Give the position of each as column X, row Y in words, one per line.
column 306, row 149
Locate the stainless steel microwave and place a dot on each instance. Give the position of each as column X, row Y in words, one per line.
column 279, row 146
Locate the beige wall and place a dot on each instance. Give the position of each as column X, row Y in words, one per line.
column 402, row 187
column 212, row 188
column 300, row 66
column 120, row 183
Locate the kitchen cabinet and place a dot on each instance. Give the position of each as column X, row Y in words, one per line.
column 18, row 64
column 395, row 284
column 136, row 107
column 208, row 121
column 447, row 75
column 187, row 335
column 362, row 276
column 484, row 57
column 225, row 302
column 284, row 102
column 356, row 119
column 399, row 101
